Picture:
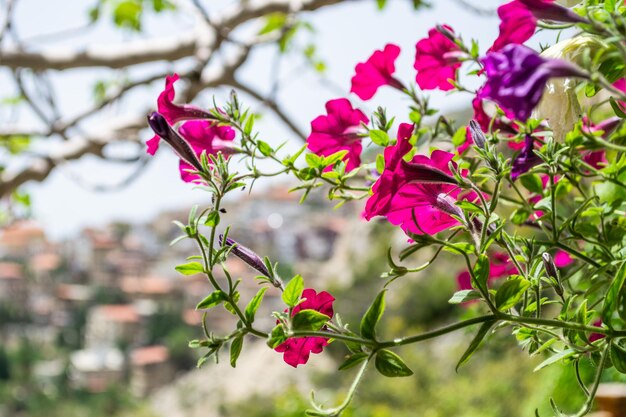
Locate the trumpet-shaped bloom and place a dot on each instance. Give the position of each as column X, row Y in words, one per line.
column 518, row 20
column 173, row 113
column 419, row 195
column 338, row 131
column 376, row 72
column 436, row 61
column 516, row 78
column 297, row 350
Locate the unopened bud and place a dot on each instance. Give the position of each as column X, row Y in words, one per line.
column 161, row 127
column 550, row 267
column 245, row 254
column 477, row 134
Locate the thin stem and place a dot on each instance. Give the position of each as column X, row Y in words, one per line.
column 596, row 382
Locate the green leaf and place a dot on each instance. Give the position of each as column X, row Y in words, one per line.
column 464, row 296
column 190, row 268
column 617, row 108
column 212, row 219
column 353, row 360
column 309, row 320
column 618, row 358
column 264, row 148
column 277, row 336
column 372, row 316
column 520, row 215
column 212, row 300
column 229, row 307
column 481, row 272
column 614, row 294
column 293, row 291
column 391, row 365
column 473, row 347
column 460, row 136
column 555, row 358
column 532, row 183
column 510, row 292
column 380, row 163
column 381, row 4
column 273, row 21
column 379, row 137
column 128, row 14
column 235, row 350
column 314, row 161
column 254, row 305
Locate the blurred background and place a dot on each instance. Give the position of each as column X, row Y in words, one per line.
column 94, row 321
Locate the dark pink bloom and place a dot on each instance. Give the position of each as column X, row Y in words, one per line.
column 516, row 78
column 517, row 25
column 500, row 266
column 436, row 61
column 338, row 131
column 296, row 350
column 419, row 195
column 562, row 259
column 206, row 136
column 597, row 159
column 173, row 113
column 518, row 20
column 375, row 72
column 596, row 336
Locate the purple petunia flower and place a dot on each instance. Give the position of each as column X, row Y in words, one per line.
column 516, row 78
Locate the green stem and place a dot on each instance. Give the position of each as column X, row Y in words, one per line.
column 596, row 382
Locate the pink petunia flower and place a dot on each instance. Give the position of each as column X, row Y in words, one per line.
column 518, row 20
column 205, row 136
column 337, row 131
column 596, row 336
column 173, row 113
column 419, row 195
column 562, row 259
column 500, row 266
column 297, row 349
column 375, row 72
column 436, row 61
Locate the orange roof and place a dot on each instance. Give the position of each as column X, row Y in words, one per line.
column 21, row 233
column 149, row 355
column 11, row 270
column 45, row 262
column 119, row 312
column 192, row 317
column 146, row 285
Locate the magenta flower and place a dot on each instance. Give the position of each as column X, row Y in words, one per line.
column 337, row 131
column 518, row 20
column 205, row 136
column 173, row 113
column 419, row 195
column 436, row 61
column 562, row 259
column 500, row 266
column 596, row 336
column 375, row 72
column 297, row 349
column 516, row 77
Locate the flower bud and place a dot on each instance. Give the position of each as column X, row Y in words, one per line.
column 477, row 134
column 246, row 255
column 159, row 125
column 550, row 267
